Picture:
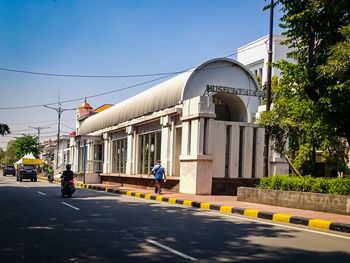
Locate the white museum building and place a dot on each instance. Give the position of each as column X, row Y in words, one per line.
column 200, row 124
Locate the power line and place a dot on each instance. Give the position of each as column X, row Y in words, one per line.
column 163, row 75
column 67, row 126
column 87, row 76
column 100, row 94
column 14, row 131
column 31, row 122
column 81, row 98
column 96, row 76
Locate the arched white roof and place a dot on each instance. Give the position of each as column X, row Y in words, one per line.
column 190, row 84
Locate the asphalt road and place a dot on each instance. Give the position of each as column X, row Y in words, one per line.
column 38, row 225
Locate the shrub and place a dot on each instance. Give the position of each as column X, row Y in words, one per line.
column 340, row 186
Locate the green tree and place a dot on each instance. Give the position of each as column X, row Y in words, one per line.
column 313, row 106
column 27, row 144
column 312, row 28
column 2, row 154
column 10, row 155
column 4, row 129
column 337, row 70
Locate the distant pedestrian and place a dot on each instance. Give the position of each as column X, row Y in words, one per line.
column 158, row 171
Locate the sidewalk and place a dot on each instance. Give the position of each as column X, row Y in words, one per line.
column 227, row 200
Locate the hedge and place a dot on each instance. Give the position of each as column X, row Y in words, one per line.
column 339, row 186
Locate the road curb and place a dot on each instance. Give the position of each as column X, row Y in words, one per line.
column 278, row 217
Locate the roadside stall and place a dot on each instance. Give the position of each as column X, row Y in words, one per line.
column 28, row 159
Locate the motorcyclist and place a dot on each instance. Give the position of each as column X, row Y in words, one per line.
column 67, row 176
column 50, row 174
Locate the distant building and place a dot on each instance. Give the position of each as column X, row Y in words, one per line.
column 200, row 124
column 254, row 55
column 49, row 154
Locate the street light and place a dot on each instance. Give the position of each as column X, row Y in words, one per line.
column 39, row 129
column 59, row 110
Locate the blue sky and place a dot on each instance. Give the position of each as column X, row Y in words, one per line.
column 110, row 37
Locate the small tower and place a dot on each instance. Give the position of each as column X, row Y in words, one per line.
column 84, row 110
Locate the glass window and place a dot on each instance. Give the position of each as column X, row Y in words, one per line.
column 119, row 156
column 150, row 150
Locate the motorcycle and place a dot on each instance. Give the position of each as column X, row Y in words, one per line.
column 50, row 178
column 67, row 188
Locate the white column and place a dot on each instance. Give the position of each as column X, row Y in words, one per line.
column 234, row 152
column 172, row 149
column 134, row 153
column 200, row 136
column 185, row 138
column 129, row 154
column 110, row 154
column 165, row 143
column 105, row 153
column 195, row 136
column 259, row 159
column 210, row 136
column 247, row 152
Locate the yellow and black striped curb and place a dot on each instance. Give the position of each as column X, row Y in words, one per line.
column 310, row 222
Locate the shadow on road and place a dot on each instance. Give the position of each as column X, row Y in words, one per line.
column 115, row 229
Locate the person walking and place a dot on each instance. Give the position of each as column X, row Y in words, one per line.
column 158, row 171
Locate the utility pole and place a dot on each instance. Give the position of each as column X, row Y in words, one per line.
column 39, row 129
column 268, row 91
column 59, row 111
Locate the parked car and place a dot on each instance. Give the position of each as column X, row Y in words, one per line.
column 9, row 169
column 27, row 171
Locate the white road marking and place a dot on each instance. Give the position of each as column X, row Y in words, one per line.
column 226, row 215
column 276, row 224
column 76, row 208
column 40, row 193
column 245, row 218
column 170, row 249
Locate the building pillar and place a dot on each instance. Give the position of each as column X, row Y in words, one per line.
column 172, row 148
column 105, row 153
column 234, row 152
column 259, row 160
column 165, row 152
column 196, row 160
column 247, row 152
column 130, row 147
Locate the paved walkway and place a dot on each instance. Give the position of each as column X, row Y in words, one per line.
column 232, row 201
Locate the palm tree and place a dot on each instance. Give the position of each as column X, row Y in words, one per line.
column 4, row 129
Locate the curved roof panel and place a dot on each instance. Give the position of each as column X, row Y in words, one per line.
column 169, row 93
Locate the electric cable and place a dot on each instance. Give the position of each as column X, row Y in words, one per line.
column 164, row 75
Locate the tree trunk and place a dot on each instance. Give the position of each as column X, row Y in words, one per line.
column 309, row 90
column 295, row 170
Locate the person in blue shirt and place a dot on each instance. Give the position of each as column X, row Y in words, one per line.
column 158, row 171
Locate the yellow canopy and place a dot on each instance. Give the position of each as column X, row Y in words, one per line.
column 29, row 159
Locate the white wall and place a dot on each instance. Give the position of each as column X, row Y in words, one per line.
column 254, row 54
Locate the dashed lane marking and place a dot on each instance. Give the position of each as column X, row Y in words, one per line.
column 170, row 249
column 76, row 208
column 40, row 193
